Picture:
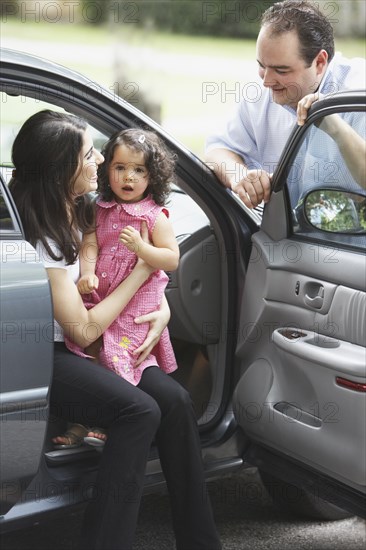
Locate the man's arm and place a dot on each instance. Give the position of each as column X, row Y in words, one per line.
column 252, row 186
column 351, row 145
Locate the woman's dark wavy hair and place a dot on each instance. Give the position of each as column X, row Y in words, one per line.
column 313, row 29
column 46, row 157
column 159, row 161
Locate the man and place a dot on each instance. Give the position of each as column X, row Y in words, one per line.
column 297, row 64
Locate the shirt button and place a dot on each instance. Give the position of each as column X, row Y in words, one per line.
column 113, row 248
column 115, row 225
column 104, row 274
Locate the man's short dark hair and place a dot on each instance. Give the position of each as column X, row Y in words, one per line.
column 313, row 29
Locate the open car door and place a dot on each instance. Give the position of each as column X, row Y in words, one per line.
column 301, row 397
column 26, row 356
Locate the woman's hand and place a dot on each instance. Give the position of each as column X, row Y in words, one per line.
column 158, row 321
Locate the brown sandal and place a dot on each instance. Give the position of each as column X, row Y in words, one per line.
column 74, row 435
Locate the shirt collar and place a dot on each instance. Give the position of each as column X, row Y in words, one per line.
column 134, row 208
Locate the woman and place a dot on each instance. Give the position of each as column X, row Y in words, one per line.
column 55, row 169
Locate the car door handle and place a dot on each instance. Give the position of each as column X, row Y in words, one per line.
column 314, row 295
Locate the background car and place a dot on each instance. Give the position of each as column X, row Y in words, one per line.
column 268, row 321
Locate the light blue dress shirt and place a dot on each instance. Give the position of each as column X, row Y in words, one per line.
column 260, row 128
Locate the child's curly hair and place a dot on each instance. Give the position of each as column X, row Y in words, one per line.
column 159, row 160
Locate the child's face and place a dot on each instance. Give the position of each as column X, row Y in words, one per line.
column 128, row 175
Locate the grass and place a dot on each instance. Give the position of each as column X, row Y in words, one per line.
column 204, row 45
column 190, row 66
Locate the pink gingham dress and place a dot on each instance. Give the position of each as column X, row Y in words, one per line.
column 115, row 262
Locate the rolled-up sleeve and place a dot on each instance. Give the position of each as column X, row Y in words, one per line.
column 237, row 136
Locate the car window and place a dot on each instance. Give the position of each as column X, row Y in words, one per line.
column 185, row 214
column 326, row 182
column 6, row 222
column 15, row 110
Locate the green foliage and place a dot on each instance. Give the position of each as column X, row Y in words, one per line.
column 239, row 18
column 218, row 18
column 96, row 12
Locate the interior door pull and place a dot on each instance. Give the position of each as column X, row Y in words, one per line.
column 315, row 296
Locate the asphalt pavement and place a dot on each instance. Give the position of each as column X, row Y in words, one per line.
column 245, row 517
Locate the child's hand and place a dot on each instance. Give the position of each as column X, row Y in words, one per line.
column 87, row 283
column 131, row 238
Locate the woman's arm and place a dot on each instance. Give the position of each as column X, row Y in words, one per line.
column 164, row 251
column 85, row 326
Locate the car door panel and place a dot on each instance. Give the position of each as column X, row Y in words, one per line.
column 301, row 345
column 193, row 288
column 295, row 354
column 299, row 290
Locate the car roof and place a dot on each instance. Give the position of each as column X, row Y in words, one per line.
column 20, row 58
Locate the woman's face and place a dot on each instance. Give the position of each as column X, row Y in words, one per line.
column 87, row 179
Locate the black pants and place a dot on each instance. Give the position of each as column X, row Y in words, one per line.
column 159, row 407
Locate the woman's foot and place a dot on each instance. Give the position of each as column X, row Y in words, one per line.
column 72, row 438
column 96, row 437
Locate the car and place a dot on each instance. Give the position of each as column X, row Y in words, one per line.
column 268, row 316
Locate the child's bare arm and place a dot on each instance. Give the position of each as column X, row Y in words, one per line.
column 88, row 257
column 163, row 253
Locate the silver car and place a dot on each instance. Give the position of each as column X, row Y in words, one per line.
column 268, row 316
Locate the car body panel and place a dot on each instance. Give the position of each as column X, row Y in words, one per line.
column 26, row 339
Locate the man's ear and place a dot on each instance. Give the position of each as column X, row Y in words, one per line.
column 321, row 61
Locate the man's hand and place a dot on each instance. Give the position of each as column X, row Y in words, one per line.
column 330, row 124
column 304, row 105
column 254, row 188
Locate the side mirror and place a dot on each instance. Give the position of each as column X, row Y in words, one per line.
column 335, row 211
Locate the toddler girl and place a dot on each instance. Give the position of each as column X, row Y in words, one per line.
column 134, row 183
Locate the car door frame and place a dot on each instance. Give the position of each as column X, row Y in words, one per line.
column 267, row 269
column 26, row 336
column 110, row 113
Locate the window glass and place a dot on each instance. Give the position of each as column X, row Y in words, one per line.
column 184, row 212
column 6, row 222
column 15, row 110
column 326, row 182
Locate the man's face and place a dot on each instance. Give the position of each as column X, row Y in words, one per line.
column 283, row 70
